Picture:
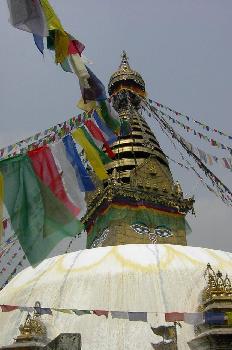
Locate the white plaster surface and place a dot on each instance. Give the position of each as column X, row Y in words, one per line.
column 151, row 278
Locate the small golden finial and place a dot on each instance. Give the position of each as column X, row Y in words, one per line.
column 33, row 328
column 178, row 189
column 124, row 63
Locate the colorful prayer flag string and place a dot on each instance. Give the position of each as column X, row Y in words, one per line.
column 202, row 124
column 223, row 190
column 193, row 318
column 212, row 142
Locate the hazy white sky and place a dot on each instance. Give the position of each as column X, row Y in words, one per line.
column 183, row 51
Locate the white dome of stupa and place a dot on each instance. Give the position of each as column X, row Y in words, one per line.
column 143, row 278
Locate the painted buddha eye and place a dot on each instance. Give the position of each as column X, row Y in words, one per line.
column 98, row 241
column 163, row 231
column 141, row 229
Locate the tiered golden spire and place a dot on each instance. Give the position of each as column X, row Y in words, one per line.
column 217, row 286
column 139, row 177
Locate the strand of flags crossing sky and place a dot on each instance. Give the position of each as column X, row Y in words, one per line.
column 58, row 148
column 193, row 318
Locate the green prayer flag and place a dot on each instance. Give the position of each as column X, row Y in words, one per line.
column 39, row 219
column 104, row 158
column 108, row 119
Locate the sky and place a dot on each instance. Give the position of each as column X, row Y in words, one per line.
column 181, row 48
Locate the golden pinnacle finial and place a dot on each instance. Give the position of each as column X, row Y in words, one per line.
column 124, row 63
column 217, row 286
column 33, row 328
column 124, row 76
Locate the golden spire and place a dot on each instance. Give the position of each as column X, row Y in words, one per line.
column 139, row 178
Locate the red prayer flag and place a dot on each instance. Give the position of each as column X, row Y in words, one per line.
column 174, row 316
column 226, row 163
column 98, row 135
column 8, row 308
column 75, row 47
column 45, row 168
column 101, row 313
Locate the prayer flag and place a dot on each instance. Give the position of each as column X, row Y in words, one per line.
column 194, row 318
column 64, row 311
column 28, row 15
column 210, row 160
column 226, row 163
column 109, row 135
column 38, row 217
column 91, row 153
column 97, row 134
column 81, row 312
column 174, row 316
column 83, row 178
column 8, row 308
column 43, row 311
column 214, row 317
column 86, row 106
column 114, row 124
column 26, row 309
column 51, row 40
column 66, row 66
column 95, row 89
column 38, row 39
column 45, row 168
column 75, row 47
column 202, row 155
column 80, row 70
column 69, row 177
column 104, row 157
column 58, row 39
column 61, row 46
column 120, row 314
column 101, row 313
column 53, row 21
column 137, row 316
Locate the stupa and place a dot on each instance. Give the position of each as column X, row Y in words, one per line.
column 139, row 260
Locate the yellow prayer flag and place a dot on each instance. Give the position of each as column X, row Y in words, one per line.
column 61, row 46
column 229, row 318
column 64, row 311
column 53, row 21
column 91, row 153
column 87, row 107
column 1, row 204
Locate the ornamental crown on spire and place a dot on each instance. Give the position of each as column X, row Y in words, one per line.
column 125, row 75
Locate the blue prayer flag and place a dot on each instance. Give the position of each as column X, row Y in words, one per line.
column 84, row 180
column 96, row 90
column 110, row 136
column 39, row 42
column 214, row 317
